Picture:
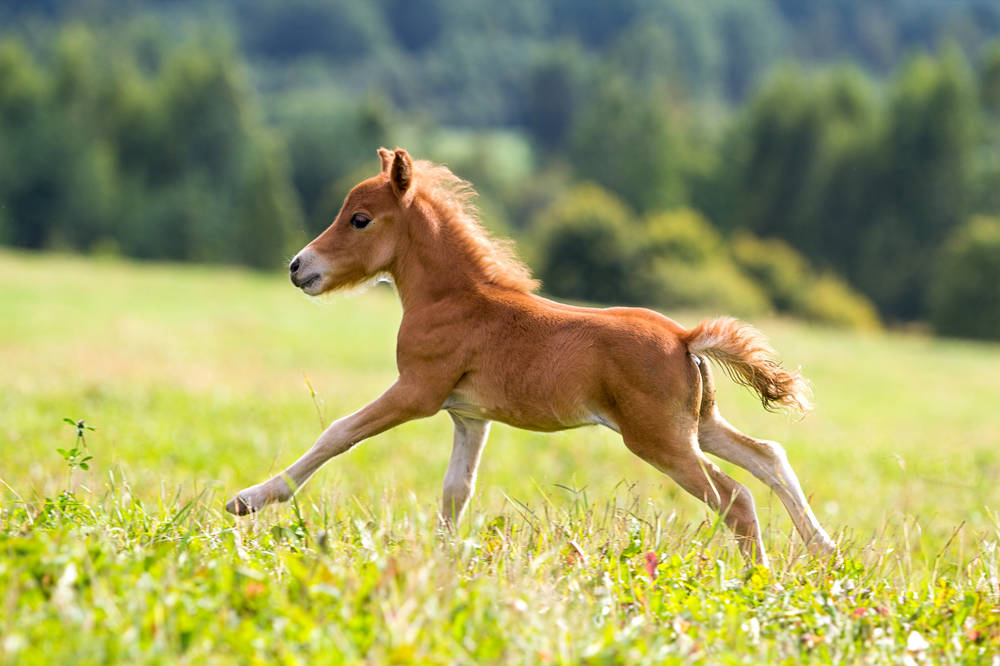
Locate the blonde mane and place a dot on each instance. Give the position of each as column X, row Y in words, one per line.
column 452, row 197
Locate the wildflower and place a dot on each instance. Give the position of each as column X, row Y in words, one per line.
column 652, row 561
column 916, row 643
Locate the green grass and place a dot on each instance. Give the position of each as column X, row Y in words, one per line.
column 196, row 380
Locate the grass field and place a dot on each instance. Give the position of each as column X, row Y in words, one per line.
column 573, row 551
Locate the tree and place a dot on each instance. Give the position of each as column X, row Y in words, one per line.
column 327, row 139
column 170, row 163
column 965, row 293
column 57, row 180
column 799, row 165
column 587, row 247
column 925, row 186
column 866, row 191
column 623, row 140
column 347, row 30
column 554, row 94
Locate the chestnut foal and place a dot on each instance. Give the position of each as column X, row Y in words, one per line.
column 475, row 341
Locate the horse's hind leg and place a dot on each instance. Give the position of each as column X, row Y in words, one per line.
column 679, row 457
column 768, row 462
column 460, row 479
column 764, row 459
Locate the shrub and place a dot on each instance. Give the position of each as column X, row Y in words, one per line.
column 774, row 265
column 794, row 287
column 587, row 247
column 591, row 251
column 716, row 284
column 965, row 293
column 684, row 263
column 684, row 235
column 829, row 300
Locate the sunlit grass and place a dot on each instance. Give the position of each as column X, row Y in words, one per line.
column 197, row 381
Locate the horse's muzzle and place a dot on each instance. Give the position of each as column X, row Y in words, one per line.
column 305, row 283
column 298, row 274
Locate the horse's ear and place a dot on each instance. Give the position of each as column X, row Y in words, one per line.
column 386, row 156
column 401, row 172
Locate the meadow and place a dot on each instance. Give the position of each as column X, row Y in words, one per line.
column 200, row 381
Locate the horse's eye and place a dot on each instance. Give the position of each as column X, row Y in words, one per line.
column 360, row 221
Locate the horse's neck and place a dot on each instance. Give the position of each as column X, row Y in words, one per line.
column 430, row 268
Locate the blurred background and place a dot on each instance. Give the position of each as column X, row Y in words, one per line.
column 837, row 161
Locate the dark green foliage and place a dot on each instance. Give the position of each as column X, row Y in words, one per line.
column 408, row 49
column 624, row 140
column 587, row 247
column 289, row 29
column 416, row 26
column 54, row 187
column 328, row 138
column 986, row 161
column 879, row 34
column 925, row 189
column 171, row 163
column 989, row 79
column 798, row 165
column 554, row 93
column 965, row 294
column 136, row 129
column 751, row 34
column 866, row 189
column 268, row 207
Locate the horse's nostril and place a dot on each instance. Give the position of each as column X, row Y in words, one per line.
column 294, row 266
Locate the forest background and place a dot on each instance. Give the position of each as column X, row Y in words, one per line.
column 837, row 161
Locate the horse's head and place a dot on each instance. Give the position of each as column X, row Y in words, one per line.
column 362, row 241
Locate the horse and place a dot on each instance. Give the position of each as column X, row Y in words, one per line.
column 475, row 340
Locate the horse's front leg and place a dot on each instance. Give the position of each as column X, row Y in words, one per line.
column 460, row 479
column 400, row 403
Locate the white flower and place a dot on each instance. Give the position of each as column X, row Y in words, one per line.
column 916, row 643
column 752, row 628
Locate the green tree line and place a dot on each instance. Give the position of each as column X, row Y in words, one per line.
column 155, row 154
column 713, row 175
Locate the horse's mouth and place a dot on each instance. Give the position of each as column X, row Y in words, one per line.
column 308, row 282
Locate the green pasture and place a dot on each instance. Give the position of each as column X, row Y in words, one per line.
column 200, row 381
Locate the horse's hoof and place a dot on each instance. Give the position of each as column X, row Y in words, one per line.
column 239, row 506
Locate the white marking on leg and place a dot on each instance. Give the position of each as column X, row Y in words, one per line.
column 768, row 462
column 460, row 479
column 393, row 407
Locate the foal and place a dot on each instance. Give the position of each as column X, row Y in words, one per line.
column 475, row 341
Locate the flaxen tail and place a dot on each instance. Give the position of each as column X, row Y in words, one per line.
column 747, row 357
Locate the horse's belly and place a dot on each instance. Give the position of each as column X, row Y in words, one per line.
column 540, row 417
